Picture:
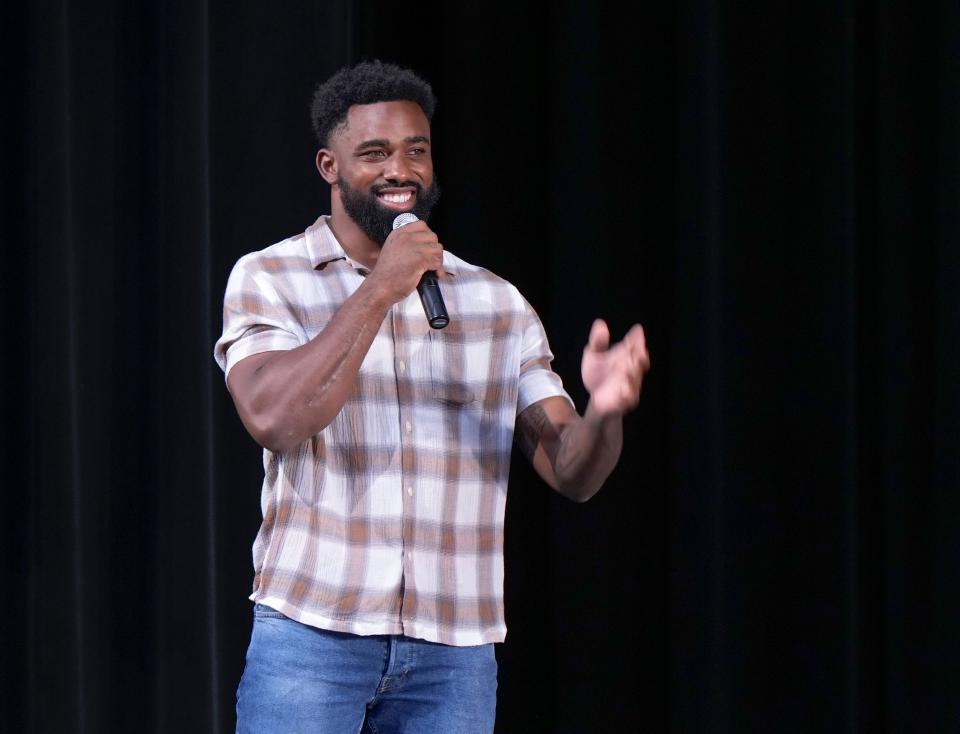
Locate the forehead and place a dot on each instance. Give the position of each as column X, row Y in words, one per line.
column 393, row 121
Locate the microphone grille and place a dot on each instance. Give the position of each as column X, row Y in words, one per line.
column 405, row 218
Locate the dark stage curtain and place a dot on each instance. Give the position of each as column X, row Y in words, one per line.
column 772, row 189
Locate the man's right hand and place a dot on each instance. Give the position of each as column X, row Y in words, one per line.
column 283, row 398
column 407, row 254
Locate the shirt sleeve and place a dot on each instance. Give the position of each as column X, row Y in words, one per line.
column 537, row 378
column 256, row 318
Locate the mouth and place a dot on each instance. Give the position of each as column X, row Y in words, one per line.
column 398, row 199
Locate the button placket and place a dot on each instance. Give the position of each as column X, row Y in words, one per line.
column 406, row 430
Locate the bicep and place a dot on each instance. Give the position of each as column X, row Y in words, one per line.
column 539, row 429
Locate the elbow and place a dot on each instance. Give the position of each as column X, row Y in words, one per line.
column 580, row 483
column 276, row 443
column 270, row 432
column 265, row 432
column 275, row 421
column 279, row 432
column 579, row 492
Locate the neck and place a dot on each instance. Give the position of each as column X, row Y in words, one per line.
column 352, row 239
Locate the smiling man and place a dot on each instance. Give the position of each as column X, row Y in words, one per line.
column 378, row 583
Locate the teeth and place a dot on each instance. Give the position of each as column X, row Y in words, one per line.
column 397, row 198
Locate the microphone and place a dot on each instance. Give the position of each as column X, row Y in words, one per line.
column 428, row 287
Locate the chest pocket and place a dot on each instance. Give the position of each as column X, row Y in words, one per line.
column 460, row 362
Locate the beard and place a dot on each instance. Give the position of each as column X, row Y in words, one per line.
column 372, row 217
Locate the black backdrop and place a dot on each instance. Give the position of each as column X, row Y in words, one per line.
column 772, row 189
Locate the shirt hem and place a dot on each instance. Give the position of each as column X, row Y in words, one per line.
column 364, row 628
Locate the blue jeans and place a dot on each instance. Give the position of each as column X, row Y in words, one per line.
column 303, row 679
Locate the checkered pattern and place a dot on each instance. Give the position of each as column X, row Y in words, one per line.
column 390, row 520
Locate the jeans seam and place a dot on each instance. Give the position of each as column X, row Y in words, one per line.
column 265, row 612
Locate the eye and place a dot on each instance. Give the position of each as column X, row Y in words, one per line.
column 373, row 154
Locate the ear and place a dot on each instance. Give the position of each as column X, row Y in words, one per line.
column 327, row 165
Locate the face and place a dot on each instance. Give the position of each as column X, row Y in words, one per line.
column 381, row 165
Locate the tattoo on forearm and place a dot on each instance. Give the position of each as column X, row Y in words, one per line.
column 530, row 425
column 572, row 452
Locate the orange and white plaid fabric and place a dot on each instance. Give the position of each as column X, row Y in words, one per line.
column 390, row 520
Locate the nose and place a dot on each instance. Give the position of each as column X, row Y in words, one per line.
column 397, row 167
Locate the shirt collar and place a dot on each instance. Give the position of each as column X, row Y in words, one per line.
column 323, row 248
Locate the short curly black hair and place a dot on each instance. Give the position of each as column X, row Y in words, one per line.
column 366, row 83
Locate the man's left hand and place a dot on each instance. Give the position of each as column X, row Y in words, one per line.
column 613, row 374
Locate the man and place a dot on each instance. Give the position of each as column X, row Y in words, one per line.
column 379, row 568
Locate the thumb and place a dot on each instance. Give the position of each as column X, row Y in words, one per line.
column 599, row 338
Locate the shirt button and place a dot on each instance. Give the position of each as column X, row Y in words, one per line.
column 402, row 366
column 410, row 491
column 408, row 426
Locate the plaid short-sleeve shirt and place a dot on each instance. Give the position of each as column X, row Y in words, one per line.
column 390, row 520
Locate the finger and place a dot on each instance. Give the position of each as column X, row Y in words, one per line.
column 416, row 226
column 636, row 342
column 629, row 396
column 641, row 358
column 423, row 239
column 636, row 337
column 629, row 358
column 599, row 338
column 415, row 233
column 441, row 273
column 633, row 372
column 631, row 365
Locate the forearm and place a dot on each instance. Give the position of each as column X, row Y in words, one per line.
column 289, row 396
column 588, row 451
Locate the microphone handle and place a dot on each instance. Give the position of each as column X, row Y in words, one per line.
column 432, row 300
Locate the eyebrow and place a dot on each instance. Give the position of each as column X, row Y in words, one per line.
column 382, row 143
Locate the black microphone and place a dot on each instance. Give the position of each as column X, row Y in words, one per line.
column 428, row 287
